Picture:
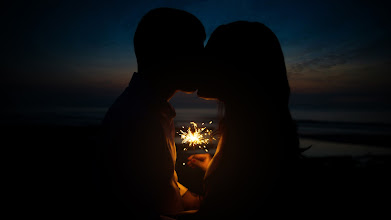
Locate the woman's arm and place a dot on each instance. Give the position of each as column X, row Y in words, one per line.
column 191, row 201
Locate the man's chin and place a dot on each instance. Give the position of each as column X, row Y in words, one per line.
column 188, row 90
column 202, row 95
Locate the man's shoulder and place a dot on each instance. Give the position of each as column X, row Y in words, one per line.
column 127, row 105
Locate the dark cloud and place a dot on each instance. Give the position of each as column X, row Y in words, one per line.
column 357, row 54
column 316, row 65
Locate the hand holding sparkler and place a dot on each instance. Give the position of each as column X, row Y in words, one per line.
column 199, row 160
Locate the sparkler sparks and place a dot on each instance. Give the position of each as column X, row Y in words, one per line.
column 196, row 136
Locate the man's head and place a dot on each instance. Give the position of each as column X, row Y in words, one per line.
column 168, row 44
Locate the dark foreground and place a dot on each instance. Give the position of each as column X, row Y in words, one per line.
column 50, row 171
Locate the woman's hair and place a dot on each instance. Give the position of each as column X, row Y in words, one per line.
column 254, row 50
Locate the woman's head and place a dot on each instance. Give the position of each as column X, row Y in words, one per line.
column 243, row 60
column 245, row 64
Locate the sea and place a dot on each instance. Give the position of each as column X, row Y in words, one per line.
column 317, row 128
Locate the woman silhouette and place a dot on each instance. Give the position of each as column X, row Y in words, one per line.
column 252, row 166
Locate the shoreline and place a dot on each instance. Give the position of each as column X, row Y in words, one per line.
column 330, row 148
column 373, row 140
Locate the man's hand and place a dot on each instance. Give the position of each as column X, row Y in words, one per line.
column 199, row 160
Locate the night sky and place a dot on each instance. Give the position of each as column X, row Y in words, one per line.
column 73, row 54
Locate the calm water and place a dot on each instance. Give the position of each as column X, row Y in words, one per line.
column 310, row 122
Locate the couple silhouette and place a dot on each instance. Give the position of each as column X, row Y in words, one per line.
column 243, row 67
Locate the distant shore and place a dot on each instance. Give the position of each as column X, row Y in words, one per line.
column 322, row 147
column 360, row 139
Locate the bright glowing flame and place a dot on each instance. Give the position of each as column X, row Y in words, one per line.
column 195, row 136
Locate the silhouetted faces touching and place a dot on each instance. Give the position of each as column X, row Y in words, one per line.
column 243, row 60
column 169, row 44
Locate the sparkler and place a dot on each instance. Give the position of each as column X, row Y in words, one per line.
column 194, row 136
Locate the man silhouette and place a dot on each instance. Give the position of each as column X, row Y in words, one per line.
column 138, row 157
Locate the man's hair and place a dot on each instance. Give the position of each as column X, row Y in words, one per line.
column 166, row 33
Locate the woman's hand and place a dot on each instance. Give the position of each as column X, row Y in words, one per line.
column 199, row 160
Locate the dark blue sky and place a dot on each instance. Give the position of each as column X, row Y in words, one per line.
column 71, row 53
